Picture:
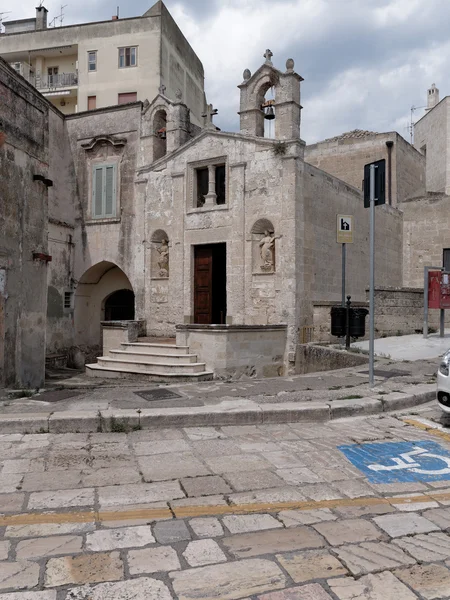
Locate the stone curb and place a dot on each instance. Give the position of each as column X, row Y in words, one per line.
column 287, row 412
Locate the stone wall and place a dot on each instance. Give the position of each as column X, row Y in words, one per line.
column 312, row 358
column 426, row 234
column 345, row 158
column 24, row 152
column 432, row 137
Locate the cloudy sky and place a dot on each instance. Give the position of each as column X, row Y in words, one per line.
column 365, row 62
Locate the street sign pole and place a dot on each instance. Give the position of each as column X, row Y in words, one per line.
column 344, row 252
column 372, row 276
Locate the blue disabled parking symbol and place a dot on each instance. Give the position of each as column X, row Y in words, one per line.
column 393, row 462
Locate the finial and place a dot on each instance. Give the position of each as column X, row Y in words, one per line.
column 290, row 64
column 162, row 89
column 268, row 55
column 179, row 94
column 208, row 116
column 247, row 74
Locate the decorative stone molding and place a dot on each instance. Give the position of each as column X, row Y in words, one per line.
column 105, row 139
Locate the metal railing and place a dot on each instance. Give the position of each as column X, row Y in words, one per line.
column 57, row 81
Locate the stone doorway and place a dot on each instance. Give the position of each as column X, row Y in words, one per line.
column 119, row 306
column 210, row 284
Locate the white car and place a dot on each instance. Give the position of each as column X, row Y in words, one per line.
column 443, row 383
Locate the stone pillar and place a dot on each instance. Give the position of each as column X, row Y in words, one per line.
column 39, row 71
column 236, row 267
column 211, row 196
column 115, row 333
column 178, row 127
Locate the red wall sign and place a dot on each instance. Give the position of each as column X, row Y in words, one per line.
column 438, row 289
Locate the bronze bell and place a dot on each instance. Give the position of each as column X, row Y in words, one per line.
column 269, row 114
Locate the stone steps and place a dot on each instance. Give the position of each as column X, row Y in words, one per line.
column 141, row 357
column 149, row 367
column 95, row 370
column 144, row 348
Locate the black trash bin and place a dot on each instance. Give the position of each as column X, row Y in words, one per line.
column 338, row 320
column 358, row 322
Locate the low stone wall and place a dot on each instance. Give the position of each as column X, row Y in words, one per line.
column 234, row 351
column 312, row 358
column 114, row 333
column 322, row 320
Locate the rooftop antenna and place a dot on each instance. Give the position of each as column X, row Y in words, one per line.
column 411, row 123
column 60, row 17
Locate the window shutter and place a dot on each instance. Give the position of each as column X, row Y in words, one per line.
column 110, row 192
column 98, row 192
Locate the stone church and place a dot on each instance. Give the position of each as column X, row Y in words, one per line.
column 150, row 225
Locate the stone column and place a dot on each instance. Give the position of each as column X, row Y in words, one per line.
column 211, row 196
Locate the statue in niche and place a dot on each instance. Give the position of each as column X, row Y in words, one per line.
column 267, row 251
column 163, row 262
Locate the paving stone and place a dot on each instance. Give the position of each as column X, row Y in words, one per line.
column 320, row 491
column 146, row 435
column 203, row 433
column 306, row 566
column 397, row 525
column 48, row 595
column 238, row 430
column 253, row 480
column 439, row 516
column 111, row 476
column 168, row 532
column 160, row 447
column 348, row 531
column 380, row 586
column 236, row 463
column 398, row 488
column 115, row 517
column 281, row 494
column 278, row 540
column 301, row 447
column 23, row 465
column 125, row 537
column 337, row 473
column 313, row 591
column 4, row 550
column 360, row 511
column 153, row 560
column 143, row 588
column 203, row 552
column 283, row 460
column 294, row 518
column 245, row 523
column 48, row 546
column 9, row 482
column 62, row 459
column 426, row 547
column 354, row 488
column 19, row 575
column 11, row 502
column 299, row 475
column 138, row 494
column 415, row 506
column 162, row 467
column 61, row 499
column 198, row 501
column 85, row 568
column 206, row 527
column 261, row 447
column 228, row 581
column 371, row 557
column 205, row 486
column 430, row 581
column 64, row 480
column 48, row 529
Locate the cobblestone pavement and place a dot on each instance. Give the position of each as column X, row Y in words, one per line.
column 273, row 512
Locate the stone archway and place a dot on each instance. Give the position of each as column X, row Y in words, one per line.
column 98, row 284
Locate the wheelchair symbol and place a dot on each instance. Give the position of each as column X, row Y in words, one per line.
column 405, row 461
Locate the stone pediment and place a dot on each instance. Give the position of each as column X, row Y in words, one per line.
column 99, row 139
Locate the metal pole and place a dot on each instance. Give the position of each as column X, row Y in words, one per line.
column 442, row 323
column 343, row 272
column 372, row 276
column 347, row 323
column 425, row 302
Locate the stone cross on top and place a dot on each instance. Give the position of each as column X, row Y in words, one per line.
column 162, row 89
column 268, row 56
column 208, row 116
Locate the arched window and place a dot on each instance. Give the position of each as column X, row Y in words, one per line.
column 160, row 133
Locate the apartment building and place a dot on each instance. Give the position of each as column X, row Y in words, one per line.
column 94, row 65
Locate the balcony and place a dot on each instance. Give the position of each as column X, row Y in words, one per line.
column 55, row 82
column 25, row 70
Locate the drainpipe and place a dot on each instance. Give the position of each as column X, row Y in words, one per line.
column 389, row 145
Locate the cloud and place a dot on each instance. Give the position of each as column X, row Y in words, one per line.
column 365, row 63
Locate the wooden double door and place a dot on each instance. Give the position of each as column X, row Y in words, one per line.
column 210, row 284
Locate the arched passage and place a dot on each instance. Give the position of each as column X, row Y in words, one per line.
column 103, row 291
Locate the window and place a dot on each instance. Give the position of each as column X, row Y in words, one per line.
column 202, row 175
column 92, row 102
column 52, row 73
column 68, row 300
column 104, row 191
column 446, row 260
column 127, row 57
column 127, row 97
column 92, row 61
